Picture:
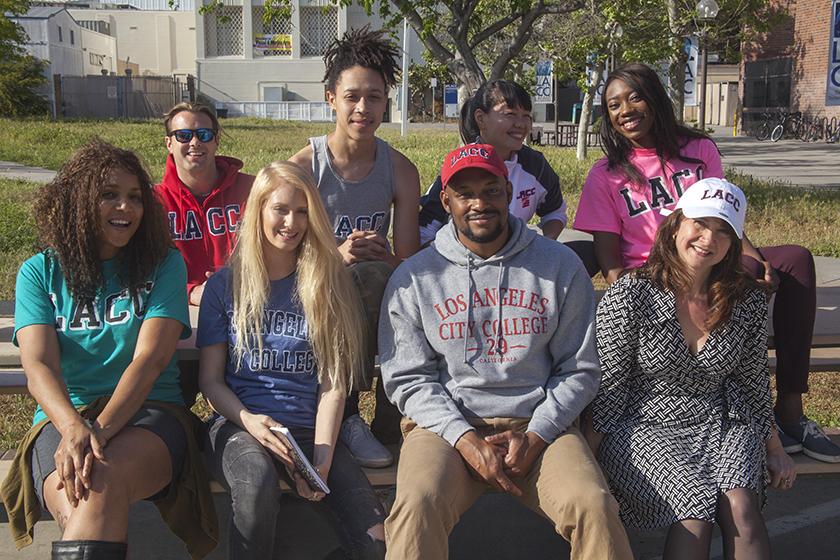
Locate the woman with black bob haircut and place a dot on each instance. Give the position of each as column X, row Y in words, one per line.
column 98, row 315
column 650, row 161
column 499, row 114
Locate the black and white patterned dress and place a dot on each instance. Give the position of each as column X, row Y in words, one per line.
column 679, row 428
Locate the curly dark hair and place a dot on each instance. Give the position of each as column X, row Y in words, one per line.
column 669, row 135
column 728, row 281
column 365, row 48
column 69, row 228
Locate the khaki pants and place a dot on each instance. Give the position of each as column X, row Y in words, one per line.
column 565, row 485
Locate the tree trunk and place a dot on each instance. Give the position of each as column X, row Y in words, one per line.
column 586, row 110
column 469, row 79
column 676, row 86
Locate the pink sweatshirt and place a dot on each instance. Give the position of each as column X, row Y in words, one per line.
column 611, row 203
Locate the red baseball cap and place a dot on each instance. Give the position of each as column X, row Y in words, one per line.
column 482, row 156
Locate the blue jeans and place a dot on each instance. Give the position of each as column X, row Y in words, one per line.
column 252, row 473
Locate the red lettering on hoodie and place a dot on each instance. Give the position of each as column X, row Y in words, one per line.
column 205, row 232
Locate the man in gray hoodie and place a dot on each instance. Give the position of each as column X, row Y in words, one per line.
column 486, row 342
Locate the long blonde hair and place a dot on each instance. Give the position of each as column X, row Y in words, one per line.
column 324, row 289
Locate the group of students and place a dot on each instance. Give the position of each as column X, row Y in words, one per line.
column 496, row 369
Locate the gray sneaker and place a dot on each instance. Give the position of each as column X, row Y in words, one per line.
column 815, row 443
column 790, row 445
column 364, row 447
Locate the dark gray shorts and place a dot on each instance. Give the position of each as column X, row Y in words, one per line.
column 163, row 425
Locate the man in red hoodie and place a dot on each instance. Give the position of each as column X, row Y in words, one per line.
column 204, row 194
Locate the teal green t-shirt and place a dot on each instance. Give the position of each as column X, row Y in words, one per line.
column 97, row 340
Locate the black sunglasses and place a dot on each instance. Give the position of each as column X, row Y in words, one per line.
column 185, row 135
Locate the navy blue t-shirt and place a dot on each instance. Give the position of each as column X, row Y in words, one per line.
column 282, row 380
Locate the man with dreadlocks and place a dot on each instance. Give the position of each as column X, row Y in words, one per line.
column 361, row 178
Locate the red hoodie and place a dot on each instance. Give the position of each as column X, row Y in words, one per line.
column 204, row 232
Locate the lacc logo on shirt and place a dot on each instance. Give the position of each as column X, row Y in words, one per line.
column 219, row 221
column 86, row 315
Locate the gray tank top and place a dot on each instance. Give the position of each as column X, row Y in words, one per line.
column 365, row 204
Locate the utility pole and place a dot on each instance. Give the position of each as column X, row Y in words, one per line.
column 404, row 104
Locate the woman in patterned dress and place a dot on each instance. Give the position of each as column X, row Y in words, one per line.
column 684, row 403
column 650, row 160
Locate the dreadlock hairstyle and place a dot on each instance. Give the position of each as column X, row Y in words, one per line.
column 365, row 48
column 485, row 98
column 728, row 281
column 669, row 136
column 69, row 223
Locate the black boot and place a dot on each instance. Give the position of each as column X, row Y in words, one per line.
column 88, row 550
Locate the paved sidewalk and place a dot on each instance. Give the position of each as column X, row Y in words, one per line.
column 11, row 170
column 802, row 524
column 806, row 164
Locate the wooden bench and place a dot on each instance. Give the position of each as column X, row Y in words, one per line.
column 825, row 356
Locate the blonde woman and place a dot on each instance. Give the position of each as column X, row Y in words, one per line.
column 287, row 288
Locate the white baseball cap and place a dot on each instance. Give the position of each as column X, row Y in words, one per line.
column 714, row 198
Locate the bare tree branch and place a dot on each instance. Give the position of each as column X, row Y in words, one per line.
column 493, row 28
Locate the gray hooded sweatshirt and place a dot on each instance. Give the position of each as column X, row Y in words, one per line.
column 462, row 337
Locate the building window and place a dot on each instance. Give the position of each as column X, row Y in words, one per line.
column 273, row 38
column 767, row 83
column 318, row 28
column 72, row 38
column 223, row 31
column 60, row 39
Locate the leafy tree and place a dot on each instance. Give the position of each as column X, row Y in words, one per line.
column 20, row 77
column 20, row 73
column 11, row 34
column 584, row 43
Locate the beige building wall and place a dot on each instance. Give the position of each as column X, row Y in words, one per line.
column 99, row 52
column 722, row 85
column 161, row 43
column 238, row 80
column 230, row 67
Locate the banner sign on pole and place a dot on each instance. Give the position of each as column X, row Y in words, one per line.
column 592, row 75
column 832, row 88
column 544, row 92
column 692, row 50
column 450, row 101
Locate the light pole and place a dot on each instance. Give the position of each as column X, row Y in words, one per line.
column 707, row 11
column 615, row 33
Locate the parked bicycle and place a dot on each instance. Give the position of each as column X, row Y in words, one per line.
column 812, row 129
column 832, row 131
column 791, row 125
column 765, row 125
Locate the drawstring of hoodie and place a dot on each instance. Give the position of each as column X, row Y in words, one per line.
column 470, row 284
column 469, row 305
column 499, row 307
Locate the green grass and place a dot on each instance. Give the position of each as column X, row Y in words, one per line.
column 778, row 214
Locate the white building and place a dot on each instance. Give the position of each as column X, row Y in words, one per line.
column 160, row 42
column 99, row 53
column 242, row 59
column 54, row 37
column 67, row 48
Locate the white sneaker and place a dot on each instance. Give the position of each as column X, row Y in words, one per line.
column 364, row 447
